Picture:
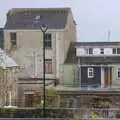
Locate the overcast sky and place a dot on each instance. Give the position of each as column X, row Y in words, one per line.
column 94, row 18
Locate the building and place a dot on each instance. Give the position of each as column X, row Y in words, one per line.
column 98, row 64
column 9, row 71
column 24, row 41
column 91, row 71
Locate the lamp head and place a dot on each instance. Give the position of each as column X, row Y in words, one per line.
column 43, row 27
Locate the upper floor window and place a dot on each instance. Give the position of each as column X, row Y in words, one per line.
column 118, row 50
column 118, row 73
column 90, row 50
column 102, row 51
column 90, row 72
column 48, row 40
column 48, row 66
column 114, row 51
column 86, row 51
column 13, row 38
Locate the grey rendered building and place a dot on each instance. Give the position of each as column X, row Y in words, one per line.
column 23, row 40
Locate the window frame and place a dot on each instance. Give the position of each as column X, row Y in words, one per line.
column 86, row 51
column 13, row 38
column 48, row 41
column 114, row 51
column 118, row 73
column 90, row 51
column 102, row 51
column 90, row 72
column 118, row 51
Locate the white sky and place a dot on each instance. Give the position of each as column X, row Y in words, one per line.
column 93, row 17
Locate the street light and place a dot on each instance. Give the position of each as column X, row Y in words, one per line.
column 44, row 29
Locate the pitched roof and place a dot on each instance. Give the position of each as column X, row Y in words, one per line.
column 84, row 44
column 6, row 61
column 24, row 18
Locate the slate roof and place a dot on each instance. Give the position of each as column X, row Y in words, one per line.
column 25, row 18
column 100, row 60
column 79, row 44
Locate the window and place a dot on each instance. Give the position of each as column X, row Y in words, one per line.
column 48, row 40
column 101, row 51
column 118, row 73
column 90, row 72
column 86, row 51
column 13, row 38
column 90, row 50
column 118, row 50
column 114, row 51
column 48, row 66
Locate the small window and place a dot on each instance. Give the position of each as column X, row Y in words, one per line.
column 90, row 50
column 13, row 38
column 114, row 51
column 86, row 51
column 48, row 66
column 48, row 40
column 118, row 73
column 90, row 72
column 118, row 50
column 101, row 51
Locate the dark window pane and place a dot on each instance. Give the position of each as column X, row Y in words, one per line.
column 90, row 50
column 118, row 50
column 13, row 38
column 48, row 40
column 119, row 74
column 114, row 50
column 101, row 51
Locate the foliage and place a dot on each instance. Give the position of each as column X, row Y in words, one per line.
column 51, row 98
column 63, row 102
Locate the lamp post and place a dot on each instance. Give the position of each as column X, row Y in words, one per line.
column 44, row 29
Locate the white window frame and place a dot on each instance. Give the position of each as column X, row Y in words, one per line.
column 90, row 72
column 118, row 70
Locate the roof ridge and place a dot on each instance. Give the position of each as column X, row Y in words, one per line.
column 16, row 10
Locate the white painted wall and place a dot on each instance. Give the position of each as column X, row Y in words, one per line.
column 96, row 51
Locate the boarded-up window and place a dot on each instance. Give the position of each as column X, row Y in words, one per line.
column 48, row 66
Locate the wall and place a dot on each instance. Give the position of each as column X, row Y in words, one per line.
column 96, row 51
column 96, row 80
column 28, row 42
column 68, row 36
column 69, row 74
